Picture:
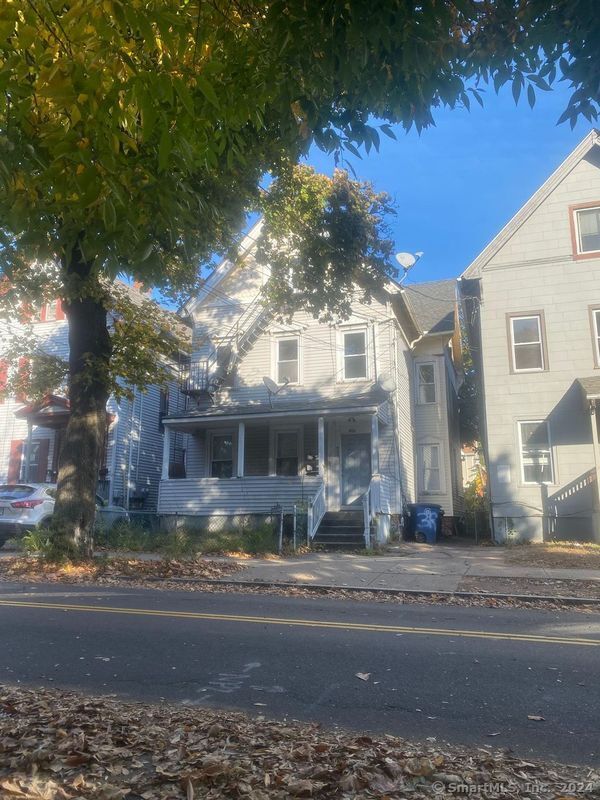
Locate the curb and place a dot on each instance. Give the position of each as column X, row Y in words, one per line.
column 319, row 588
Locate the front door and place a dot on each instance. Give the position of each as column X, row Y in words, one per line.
column 356, row 467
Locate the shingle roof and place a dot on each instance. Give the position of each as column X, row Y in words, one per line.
column 590, row 386
column 433, row 305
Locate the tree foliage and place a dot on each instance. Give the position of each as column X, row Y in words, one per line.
column 134, row 134
column 321, row 238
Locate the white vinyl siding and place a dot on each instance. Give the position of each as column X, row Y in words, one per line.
column 536, row 452
column 527, row 343
column 426, row 389
column 587, row 223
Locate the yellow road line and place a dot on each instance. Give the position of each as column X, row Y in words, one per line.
column 309, row 623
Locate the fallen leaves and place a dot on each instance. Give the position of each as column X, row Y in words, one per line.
column 65, row 746
column 363, row 676
column 536, row 718
column 115, row 571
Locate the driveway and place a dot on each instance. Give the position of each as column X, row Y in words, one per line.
column 407, row 566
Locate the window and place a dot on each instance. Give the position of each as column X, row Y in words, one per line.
column 286, row 453
column 355, row 355
column 426, row 383
column 221, row 465
column 51, row 310
column 587, row 223
column 595, row 316
column 287, row 361
column 536, row 453
column 431, row 475
column 527, row 343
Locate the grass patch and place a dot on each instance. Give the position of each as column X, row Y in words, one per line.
column 558, row 555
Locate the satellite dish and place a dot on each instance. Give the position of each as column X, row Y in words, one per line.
column 406, row 260
column 386, row 383
column 272, row 387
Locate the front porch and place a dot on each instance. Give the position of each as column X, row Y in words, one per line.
column 242, row 463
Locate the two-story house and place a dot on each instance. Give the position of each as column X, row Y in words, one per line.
column 31, row 433
column 348, row 420
column 532, row 299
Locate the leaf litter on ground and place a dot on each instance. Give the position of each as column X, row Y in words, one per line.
column 68, row 746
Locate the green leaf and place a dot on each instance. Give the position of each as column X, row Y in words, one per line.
column 531, row 96
column 388, row 131
column 164, row 148
column 207, row 90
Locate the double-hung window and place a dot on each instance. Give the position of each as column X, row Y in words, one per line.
column 426, row 383
column 288, row 352
column 286, row 453
column 527, row 343
column 221, row 465
column 587, row 230
column 536, row 452
column 431, row 476
column 355, row 355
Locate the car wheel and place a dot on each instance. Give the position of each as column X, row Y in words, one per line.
column 45, row 523
column 420, row 537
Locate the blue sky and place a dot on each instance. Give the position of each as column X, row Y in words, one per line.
column 457, row 184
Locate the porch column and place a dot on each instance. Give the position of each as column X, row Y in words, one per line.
column 28, row 453
column 321, row 445
column 374, row 445
column 166, row 453
column 241, row 446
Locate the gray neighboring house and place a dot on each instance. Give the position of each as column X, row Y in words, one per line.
column 350, row 421
column 532, row 303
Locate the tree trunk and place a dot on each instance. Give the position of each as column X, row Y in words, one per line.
column 81, row 453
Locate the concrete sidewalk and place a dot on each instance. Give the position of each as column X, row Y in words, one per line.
column 411, row 566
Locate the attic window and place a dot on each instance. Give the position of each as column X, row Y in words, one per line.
column 587, row 230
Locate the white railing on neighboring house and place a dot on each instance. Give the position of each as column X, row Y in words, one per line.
column 316, row 512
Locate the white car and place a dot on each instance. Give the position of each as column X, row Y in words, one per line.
column 24, row 506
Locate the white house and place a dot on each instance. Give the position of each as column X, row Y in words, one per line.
column 353, row 419
column 31, row 433
column 532, row 299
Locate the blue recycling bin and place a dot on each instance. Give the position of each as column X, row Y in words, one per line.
column 424, row 522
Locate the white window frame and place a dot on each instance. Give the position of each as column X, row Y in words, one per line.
column 418, row 365
column 51, row 311
column 514, row 345
column 286, row 337
column 545, row 422
column 576, row 213
column 596, row 333
column 442, row 486
column 222, row 432
column 341, row 343
column 274, row 430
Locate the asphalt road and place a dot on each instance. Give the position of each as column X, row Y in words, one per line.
column 466, row 675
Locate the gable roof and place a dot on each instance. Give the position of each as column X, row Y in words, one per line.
column 433, row 305
column 583, row 148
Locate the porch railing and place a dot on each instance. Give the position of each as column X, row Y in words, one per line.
column 316, row 512
column 366, row 503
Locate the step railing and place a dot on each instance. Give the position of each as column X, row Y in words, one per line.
column 366, row 504
column 316, row 512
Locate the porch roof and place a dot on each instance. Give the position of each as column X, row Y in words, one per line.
column 590, row 387
column 373, row 402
